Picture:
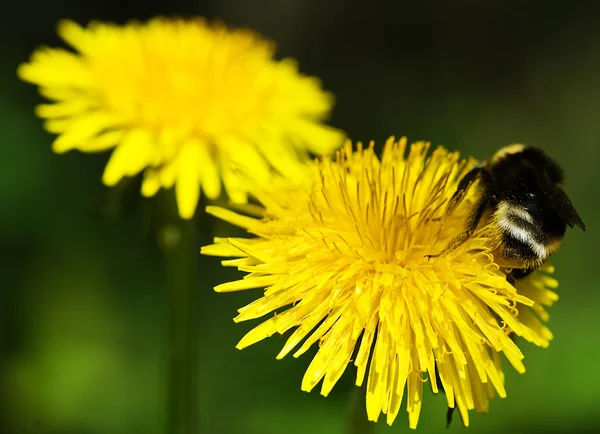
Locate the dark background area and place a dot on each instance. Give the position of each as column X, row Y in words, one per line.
column 82, row 310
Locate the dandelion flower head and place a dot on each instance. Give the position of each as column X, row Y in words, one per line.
column 344, row 264
column 189, row 103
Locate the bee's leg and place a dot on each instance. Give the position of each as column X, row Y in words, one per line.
column 478, row 172
column 470, row 177
column 472, row 223
column 463, row 185
column 449, row 416
column 519, row 273
column 485, row 178
column 512, row 277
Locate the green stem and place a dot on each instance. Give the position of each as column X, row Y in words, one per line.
column 179, row 242
column 357, row 417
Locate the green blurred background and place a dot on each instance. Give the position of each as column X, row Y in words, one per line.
column 83, row 313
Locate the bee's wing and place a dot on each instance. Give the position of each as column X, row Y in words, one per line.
column 567, row 210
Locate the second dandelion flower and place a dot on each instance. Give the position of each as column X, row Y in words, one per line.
column 189, row 103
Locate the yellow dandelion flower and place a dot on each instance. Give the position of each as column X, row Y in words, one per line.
column 187, row 102
column 344, row 263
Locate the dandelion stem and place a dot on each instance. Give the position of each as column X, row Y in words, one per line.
column 357, row 417
column 179, row 242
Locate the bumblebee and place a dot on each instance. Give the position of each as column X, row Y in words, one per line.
column 521, row 195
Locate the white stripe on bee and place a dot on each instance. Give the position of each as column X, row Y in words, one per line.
column 522, row 235
column 506, row 208
column 503, row 215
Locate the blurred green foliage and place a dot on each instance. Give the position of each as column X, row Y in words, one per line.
column 83, row 314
